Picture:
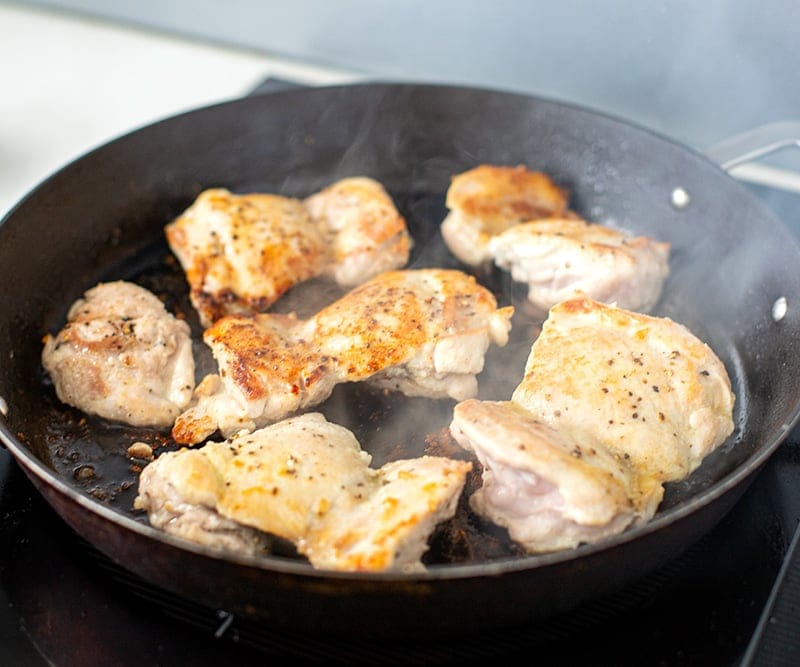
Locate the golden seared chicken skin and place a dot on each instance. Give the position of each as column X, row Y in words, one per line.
column 613, row 405
column 560, row 258
column 308, row 481
column 122, row 356
column 268, row 370
column 242, row 252
column 421, row 332
column 489, row 199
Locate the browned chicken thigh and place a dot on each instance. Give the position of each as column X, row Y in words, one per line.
column 421, row 332
column 613, row 405
column 241, row 253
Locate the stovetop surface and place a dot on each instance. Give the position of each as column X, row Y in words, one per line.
column 63, row 603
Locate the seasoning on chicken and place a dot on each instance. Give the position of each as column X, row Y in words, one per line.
column 487, row 200
column 366, row 233
column 308, row 481
column 560, row 258
column 613, row 405
column 122, row 356
column 519, row 220
column 421, row 332
column 241, row 253
column 268, row 369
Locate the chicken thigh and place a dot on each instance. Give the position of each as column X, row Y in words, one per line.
column 122, row 356
column 545, row 487
column 613, row 404
column 241, row 253
column 560, row 258
column 487, row 200
column 365, row 232
column 519, row 220
column 308, row 481
column 421, row 332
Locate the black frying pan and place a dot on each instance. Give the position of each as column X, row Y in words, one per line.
column 102, row 217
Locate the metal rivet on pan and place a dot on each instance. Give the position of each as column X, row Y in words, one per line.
column 680, row 198
column 3, row 406
column 779, row 309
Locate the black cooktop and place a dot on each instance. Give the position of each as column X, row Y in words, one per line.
column 64, row 603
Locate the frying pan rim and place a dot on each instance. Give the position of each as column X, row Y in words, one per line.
column 33, row 466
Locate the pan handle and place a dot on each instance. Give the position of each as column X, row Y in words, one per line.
column 754, row 143
column 734, row 153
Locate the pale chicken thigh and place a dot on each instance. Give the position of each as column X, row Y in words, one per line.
column 421, row 332
column 560, row 258
column 241, row 253
column 366, row 233
column 122, row 356
column 487, row 200
column 548, row 490
column 308, row 481
column 613, row 405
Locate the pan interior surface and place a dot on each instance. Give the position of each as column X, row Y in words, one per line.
column 104, row 216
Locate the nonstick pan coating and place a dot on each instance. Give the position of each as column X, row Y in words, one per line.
column 102, row 217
